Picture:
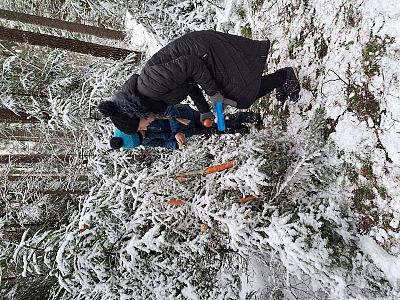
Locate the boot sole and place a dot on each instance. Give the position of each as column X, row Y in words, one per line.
column 295, row 99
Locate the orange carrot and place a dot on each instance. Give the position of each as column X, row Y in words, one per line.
column 213, row 169
column 85, row 227
column 203, row 228
column 247, row 199
column 180, row 120
column 219, row 168
column 182, row 178
column 208, row 122
column 175, row 202
column 183, row 121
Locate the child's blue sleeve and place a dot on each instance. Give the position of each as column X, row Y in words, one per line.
column 174, row 124
column 170, row 144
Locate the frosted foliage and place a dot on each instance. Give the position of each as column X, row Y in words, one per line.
column 46, row 86
column 30, row 80
column 170, row 19
column 127, row 243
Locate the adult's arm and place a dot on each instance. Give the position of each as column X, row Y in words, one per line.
column 197, row 96
column 161, row 79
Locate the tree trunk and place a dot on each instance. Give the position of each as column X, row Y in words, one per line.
column 23, row 134
column 18, row 177
column 27, row 95
column 8, row 116
column 45, row 40
column 18, row 134
column 61, row 24
column 31, row 158
column 64, row 192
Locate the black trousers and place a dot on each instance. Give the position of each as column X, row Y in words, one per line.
column 270, row 82
column 231, row 126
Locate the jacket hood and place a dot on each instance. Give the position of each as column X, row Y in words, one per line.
column 130, row 105
column 146, row 104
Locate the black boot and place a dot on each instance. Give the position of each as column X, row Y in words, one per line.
column 281, row 95
column 243, row 117
column 251, row 117
column 242, row 129
column 290, row 88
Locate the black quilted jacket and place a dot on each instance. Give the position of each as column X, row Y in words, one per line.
column 218, row 62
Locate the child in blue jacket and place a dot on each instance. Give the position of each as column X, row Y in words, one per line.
column 173, row 134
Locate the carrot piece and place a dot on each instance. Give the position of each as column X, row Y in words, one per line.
column 203, row 228
column 208, row 122
column 183, row 121
column 219, row 168
column 175, row 202
column 182, row 178
column 85, row 227
column 247, row 199
column 180, row 120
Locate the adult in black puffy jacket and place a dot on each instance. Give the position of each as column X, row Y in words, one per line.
column 225, row 66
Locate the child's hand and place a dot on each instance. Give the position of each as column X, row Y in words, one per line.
column 143, row 132
column 181, row 139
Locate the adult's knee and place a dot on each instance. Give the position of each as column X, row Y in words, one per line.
column 244, row 105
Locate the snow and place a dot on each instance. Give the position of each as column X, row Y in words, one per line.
column 389, row 264
column 141, row 39
column 385, row 16
column 190, row 293
column 352, row 134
